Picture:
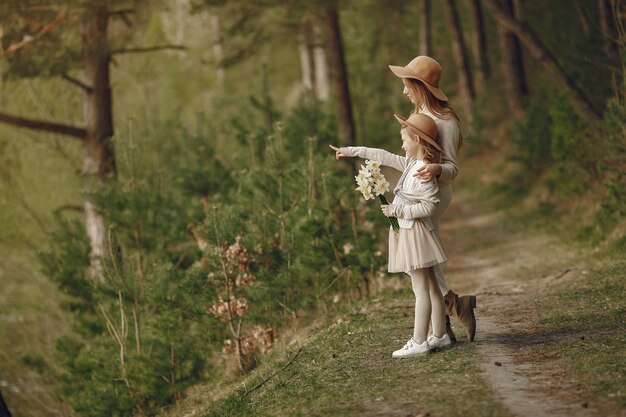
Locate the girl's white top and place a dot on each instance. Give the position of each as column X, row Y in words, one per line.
column 413, row 198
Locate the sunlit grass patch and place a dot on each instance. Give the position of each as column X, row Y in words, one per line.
column 346, row 369
column 600, row 361
column 592, row 310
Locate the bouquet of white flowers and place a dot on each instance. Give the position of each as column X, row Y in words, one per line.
column 371, row 182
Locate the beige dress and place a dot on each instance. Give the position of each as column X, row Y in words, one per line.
column 415, row 245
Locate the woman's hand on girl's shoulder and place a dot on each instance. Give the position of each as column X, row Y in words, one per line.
column 428, row 172
column 339, row 152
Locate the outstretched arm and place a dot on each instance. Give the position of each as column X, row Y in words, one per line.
column 386, row 158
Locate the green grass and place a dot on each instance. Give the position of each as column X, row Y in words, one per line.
column 30, row 322
column 591, row 309
column 346, row 369
column 37, row 176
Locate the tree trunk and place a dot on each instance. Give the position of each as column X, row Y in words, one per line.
column 320, row 64
column 4, row 410
column 346, row 122
column 99, row 161
column 218, row 52
column 538, row 50
column 606, row 27
column 479, row 42
column 426, row 45
column 512, row 63
column 466, row 85
column 306, row 64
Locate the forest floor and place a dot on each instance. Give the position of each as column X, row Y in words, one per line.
column 551, row 330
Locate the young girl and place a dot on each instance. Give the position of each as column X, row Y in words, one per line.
column 415, row 248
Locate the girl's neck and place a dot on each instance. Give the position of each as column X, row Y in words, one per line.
column 418, row 155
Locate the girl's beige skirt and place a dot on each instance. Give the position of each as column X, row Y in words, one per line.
column 414, row 248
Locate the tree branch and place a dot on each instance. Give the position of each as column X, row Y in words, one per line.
column 67, row 130
column 123, row 14
column 260, row 384
column 541, row 53
column 41, row 30
column 77, row 82
column 147, row 49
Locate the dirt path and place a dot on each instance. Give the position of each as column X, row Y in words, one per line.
column 505, row 270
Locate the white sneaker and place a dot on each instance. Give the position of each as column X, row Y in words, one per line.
column 412, row 349
column 439, row 342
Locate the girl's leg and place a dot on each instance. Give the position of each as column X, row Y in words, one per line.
column 438, row 309
column 420, row 283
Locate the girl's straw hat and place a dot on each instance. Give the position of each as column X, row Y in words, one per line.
column 424, row 125
column 425, row 69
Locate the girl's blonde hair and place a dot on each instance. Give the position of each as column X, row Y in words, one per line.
column 424, row 98
column 432, row 155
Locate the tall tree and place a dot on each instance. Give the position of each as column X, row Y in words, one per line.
column 218, row 52
column 99, row 159
column 426, row 42
column 320, row 63
column 512, row 61
column 541, row 53
column 313, row 56
column 464, row 74
column 306, row 59
column 606, row 27
column 44, row 42
column 340, row 74
column 479, row 41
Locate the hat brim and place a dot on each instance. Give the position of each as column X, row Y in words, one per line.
column 426, row 136
column 404, row 72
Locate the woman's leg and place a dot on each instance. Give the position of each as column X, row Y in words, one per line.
column 460, row 307
column 445, row 198
column 438, row 309
column 420, row 283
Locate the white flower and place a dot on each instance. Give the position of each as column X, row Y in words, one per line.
column 373, row 166
column 362, row 181
column 381, row 186
column 364, row 172
column 367, row 193
column 371, row 182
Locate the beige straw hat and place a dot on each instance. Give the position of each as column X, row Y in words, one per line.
column 425, row 69
column 424, row 125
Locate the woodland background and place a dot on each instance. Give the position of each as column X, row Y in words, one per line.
column 168, row 201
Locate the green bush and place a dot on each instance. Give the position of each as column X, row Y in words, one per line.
column 190, row 240
column 574, row 150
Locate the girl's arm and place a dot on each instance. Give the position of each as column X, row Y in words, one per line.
column 386, row 158
column 423, row 202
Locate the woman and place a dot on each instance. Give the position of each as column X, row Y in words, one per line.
column 421, row 84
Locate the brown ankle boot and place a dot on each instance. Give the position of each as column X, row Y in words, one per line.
column 463, row 309
column 449, row 330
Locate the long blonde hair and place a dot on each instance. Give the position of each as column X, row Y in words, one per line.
column 424, row 98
